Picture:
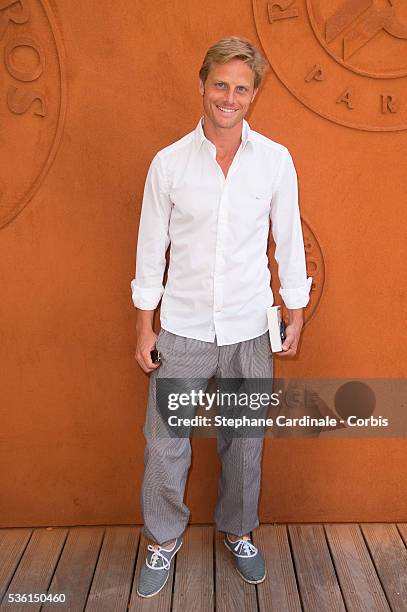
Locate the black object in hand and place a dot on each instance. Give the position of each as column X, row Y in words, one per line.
column 155, row 356
column 282, row 331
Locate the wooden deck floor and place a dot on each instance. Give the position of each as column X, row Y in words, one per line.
column 313, row 567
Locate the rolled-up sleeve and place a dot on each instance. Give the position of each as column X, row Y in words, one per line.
column 287, row 234
column 153, row 239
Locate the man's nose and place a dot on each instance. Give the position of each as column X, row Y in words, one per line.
column 231, row 97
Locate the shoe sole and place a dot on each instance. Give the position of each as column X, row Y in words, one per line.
column 241, row 575
column 165, row 581
column 251, row 581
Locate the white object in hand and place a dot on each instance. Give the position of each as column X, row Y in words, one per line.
column 274, row 317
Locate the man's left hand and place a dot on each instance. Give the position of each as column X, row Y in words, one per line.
column 290, row 345
column 292, row 332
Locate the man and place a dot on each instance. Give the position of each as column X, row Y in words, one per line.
column 211, row 196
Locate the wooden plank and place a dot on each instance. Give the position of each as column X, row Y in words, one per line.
column 232, row 592
column 357, row 576
column 194, row 580
column 12, row 545
column 402, row 527
column 158, row 603
column 279, row 591
column 111, row 584
column 74, row 572
column 319, row 588
column 390, row 558
column 35, row 570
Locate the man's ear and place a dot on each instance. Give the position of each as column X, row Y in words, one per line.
column 254, row 94
column 201, row 87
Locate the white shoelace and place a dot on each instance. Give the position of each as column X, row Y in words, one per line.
column 156, row 557
column 244, row 546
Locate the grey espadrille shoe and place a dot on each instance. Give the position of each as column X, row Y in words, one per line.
column 249, row 563
column 156, row 569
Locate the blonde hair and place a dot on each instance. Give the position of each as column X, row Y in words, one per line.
column 235, row 47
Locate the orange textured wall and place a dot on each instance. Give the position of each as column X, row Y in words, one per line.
column 91, row 90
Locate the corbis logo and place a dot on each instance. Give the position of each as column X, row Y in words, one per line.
column 34, row 98
column 344, row 59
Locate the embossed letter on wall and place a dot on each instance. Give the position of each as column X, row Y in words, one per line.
column 344, row 59
column 34, row 100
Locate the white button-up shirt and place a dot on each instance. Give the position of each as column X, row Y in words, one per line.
column 218, row 282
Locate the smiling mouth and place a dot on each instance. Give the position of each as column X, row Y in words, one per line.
column 227, row 110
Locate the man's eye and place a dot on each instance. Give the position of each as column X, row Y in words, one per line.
column 241, row 89
column 220, row 85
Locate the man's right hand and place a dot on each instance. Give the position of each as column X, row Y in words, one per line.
column 146, row 339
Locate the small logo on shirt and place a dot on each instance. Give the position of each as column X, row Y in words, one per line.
column 344, row 59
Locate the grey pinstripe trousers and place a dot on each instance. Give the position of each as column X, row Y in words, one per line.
column 167, row 459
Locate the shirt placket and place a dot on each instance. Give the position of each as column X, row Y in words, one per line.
column 221, row 233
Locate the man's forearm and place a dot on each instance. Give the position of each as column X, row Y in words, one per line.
column 295, row 317
column 144, row 320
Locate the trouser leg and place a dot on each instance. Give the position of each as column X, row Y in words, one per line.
column 239, row 484
column 166, row 465
column 167, row 457
column 240, row 455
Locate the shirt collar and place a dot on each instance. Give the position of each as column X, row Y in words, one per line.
column 200, row 135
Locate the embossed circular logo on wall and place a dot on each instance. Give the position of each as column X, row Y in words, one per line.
column 344, row 59
column 34, row 100
column 315, row 268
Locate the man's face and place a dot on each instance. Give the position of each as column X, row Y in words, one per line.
column 227, row 93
